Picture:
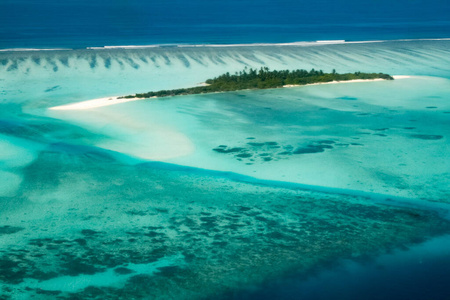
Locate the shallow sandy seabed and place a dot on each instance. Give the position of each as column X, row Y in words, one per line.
column 321, row 135
column 86, row 214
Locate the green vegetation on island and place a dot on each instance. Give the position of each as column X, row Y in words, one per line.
column 262, row 79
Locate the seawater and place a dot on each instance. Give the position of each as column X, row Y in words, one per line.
column 80, row 24
column 392, row 275
column 82, row 204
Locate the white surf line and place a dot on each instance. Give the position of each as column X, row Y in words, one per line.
column 107, row 101
column 298, row 43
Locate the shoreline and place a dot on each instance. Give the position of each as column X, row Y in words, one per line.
column 113, row 100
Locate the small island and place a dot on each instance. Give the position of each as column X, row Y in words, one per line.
column 263, row 78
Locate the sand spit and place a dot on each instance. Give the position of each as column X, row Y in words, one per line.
column 334, row 82
column 101, row 102
column 348, row 81
column 94, row 103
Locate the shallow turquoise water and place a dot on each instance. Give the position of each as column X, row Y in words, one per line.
column 308, row 185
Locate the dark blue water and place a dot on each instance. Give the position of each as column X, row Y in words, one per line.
column 421, row 272
column 83, row 23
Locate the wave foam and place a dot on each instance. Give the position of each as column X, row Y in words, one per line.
column 298, row 43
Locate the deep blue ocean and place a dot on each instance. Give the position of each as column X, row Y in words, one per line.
column 84, row 23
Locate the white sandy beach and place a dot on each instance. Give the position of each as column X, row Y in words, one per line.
column 107, row 101
column 94, row 103
column 348, row 81
column 333, row 82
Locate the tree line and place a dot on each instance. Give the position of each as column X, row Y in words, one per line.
column 263, row 78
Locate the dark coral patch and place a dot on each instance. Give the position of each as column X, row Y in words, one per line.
column 308, row 149
column 325, row 146
column 427, row 136
column 89, row 232
column 285, row 153
column 10, row 229
column 244, row 155
column 76, row 266
column 81, row 242
column 46, row 292
column 51, row 89
column 347, row 98
column 123, row 271
column 168, row 271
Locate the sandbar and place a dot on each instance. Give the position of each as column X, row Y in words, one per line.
column 94, row 103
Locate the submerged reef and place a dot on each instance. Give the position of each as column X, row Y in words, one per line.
column 262, row 79
column 257, row 151
column 149, row 231
column 87, row 223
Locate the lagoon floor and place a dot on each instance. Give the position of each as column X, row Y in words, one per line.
column 273, row 193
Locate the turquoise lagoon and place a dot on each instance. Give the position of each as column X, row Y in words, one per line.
column 216, row 195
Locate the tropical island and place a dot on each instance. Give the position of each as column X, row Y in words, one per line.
column 248, row 79
column 263, row 78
